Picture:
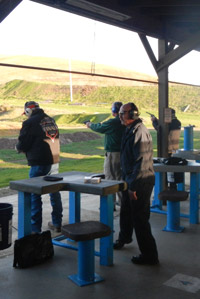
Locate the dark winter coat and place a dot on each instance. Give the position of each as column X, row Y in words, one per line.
column 39, row 139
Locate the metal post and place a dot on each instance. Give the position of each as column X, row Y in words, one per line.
column 163, row 102
column 188, row 138
column 24, row 214
column 86, row 260
column 70, row 81
column 74, row 207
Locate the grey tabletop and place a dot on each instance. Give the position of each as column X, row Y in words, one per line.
column 190, row 155
column 190, row 167
column 72, row 181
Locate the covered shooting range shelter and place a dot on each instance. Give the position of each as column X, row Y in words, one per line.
column 175, row 23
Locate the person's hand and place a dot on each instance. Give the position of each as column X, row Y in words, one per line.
column 88, row 124
column 132, row 195
column 153, row 118
column 19, row 152
column 17, row 149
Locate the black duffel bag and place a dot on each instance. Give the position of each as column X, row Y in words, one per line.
column 33, row 249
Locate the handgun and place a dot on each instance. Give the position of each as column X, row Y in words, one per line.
column 152, row 115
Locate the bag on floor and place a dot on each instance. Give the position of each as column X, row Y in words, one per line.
column 32, row 250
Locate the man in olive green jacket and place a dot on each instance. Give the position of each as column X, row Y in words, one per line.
column 113, row 130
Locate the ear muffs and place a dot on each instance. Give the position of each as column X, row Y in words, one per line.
column 28, row 111
column 115, row 110
column 30, row 107
column 133, row 114
column 116, row 106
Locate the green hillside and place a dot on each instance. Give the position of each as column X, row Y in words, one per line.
column 92, row 95
column 180, row 97
column 21, row 84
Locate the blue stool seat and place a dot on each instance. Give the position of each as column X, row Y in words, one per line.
column 173, row 198
column 85, row 233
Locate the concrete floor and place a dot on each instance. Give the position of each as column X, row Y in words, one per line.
column 177, row 275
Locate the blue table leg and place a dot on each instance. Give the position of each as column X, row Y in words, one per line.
column 198, row 161
column 74, row 207
column 194, row 200
column 74, row 216
column 156, row 203
column 24, row 214
column 106, row 217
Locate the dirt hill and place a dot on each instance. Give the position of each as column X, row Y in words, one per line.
column 9, row 143
column 12, row 73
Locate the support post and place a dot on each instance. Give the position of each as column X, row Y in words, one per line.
column 163, row 102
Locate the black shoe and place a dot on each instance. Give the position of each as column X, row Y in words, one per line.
column 120, row 244
column 140, row 260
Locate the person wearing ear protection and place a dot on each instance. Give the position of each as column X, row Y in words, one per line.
column 113, row 130
column 174, row 128
column 39, row 140
column 137, row 172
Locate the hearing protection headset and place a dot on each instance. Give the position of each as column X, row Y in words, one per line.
column 116, row 106
column 29, row 107
column 133, row 113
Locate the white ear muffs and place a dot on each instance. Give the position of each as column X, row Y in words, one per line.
column 28, row 111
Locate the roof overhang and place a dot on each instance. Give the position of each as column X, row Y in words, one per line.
column 6, row 6
column 172, row 20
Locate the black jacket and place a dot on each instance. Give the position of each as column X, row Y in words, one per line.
column 39, row 139
column 137, row 156
column 175, row 124
column 173, row 134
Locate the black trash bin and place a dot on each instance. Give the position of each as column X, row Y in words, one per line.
column 6, row 212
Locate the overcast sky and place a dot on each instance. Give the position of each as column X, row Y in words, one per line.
column 38, row 30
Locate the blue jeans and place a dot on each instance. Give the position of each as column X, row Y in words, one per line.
column 36, row 201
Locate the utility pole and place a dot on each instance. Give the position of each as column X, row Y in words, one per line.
column 70, row 81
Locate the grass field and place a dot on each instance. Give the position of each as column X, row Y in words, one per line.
column 83, row 155
column 80, row 156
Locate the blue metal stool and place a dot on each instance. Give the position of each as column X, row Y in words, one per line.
column 173, row 198
column 85, row 233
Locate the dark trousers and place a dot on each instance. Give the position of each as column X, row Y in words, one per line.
column 134, row 214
